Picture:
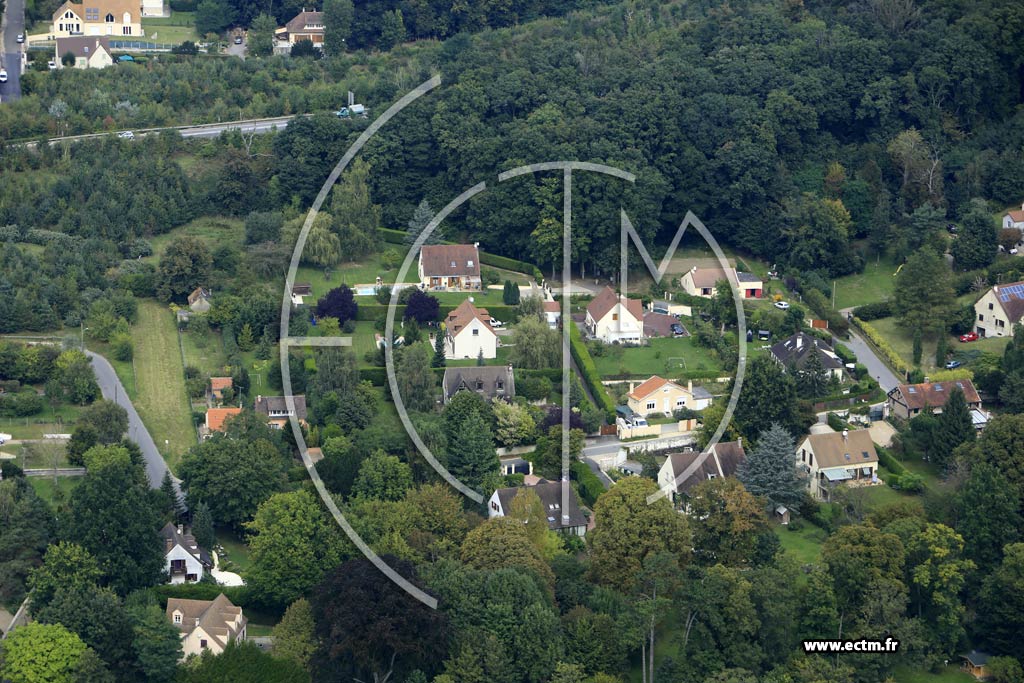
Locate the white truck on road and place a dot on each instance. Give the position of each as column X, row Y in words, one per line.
column 4, row 438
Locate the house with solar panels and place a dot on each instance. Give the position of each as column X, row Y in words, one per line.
column 999, row 310
column 910, row 400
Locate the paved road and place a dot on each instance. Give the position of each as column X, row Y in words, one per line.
column 13, row 23
column 237, row 50
column 875, row 365
column 112, row 389
column 209, row 130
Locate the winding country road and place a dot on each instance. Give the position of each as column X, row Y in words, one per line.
column 113, row 390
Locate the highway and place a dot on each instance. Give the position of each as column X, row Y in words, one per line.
column 207, row 130
column 10, row 58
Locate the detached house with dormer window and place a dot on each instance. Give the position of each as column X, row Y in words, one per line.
column 277, row 412
column 98, row 18
column 206, row 625
column 185, row 561
column 450, row 266
column 835, row 459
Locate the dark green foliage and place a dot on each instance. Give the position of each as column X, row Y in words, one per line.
column 25, row 529
column 242, row 661
column 590, row 487
column 389, row 633
column 471, row 454
column 183, row 267
column 917, row 347
column 873, row 311
column 768, row 396
column 113, row 516
column 768, row 469
column 202, row 525
column 977, row 239
column 591, row 377
column 988, row 515
column 422, row 307
column 338, row 303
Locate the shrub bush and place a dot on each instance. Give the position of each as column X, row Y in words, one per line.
column 880, row 342
column 874, row 311
column 590, row 487
column 589, row 371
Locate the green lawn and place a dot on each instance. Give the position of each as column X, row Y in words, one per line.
column 211, row 230
column 162, row 402
column 47, row 487
column 59, row 420
column 881, row 495
column 874, row 284
column 903, row 343
column 204, row 351
column 159, row 32
column 235, row 551
column 951, row 674
column 42, row 455
column 804, row 545
column 364, row 340
column 258, row 630
column 664, row 356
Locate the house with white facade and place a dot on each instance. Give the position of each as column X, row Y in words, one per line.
column 835, row 459
column 277, row 412
column 206, row 625
column 614, row 318
column 702, row 281
column 90, row 52
column 999, row 310
column 468, row 333
column 1014, row 219
column 184, row 560
column 553, row 313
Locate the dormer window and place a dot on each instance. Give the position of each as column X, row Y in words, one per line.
column 469, row 263
column 109, row 18
column 177, row 617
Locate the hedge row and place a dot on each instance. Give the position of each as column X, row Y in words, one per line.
column 947, row 375
column 821, row 306
column 874, row 311
column 392, row 236
column 590, row 375
column 899, row 476
column 590, row 487
column 370, row 312
column 880, row 342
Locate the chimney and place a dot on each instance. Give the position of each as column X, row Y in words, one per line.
column 689, row 386
column 181, row 529
column 739, row 441
column 846, row 434
column 632, row 386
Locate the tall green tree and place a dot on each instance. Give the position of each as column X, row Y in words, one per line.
column 26, row 526
column 955, row 426
column 295, row 634
column 417, row 383
column 438, row 360
column 242, row 661
column 202, row 525
column 392, row 29
column 860, row 560
column 383, row 477
column 628, row 530
column 184, row 266
column 977, row 239
column 1001, row 608
column 356, row 217
column 923, row 296
column 41, row 653
column 988, row 515
column 937, row 576
column 727, row 522
column 233, row 476
column 292, row 544
column 1001, row 444
column 419, row 220
column 261, row 35
column 768, row 397
column 471, row 454
column 113, row 515
column 768, row 470
column 97, row 616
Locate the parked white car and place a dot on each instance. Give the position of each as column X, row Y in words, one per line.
column 4, row 438
column 3, row 75
column 782, row 305
column 126, row 135
column 496, row 323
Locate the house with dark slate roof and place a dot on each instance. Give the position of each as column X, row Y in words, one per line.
column 490, row 382
column 185, row 561
column 682, row 471
column 795, row 351
column 277, row 412
column 568, row 519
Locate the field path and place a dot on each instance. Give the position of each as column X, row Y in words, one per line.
column 160, row 382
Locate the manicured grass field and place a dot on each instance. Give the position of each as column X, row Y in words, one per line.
column 874, row 284
column 42, row 455
column 46, row 488
column 364, row 272
column 162, row 402
column 158, row 31
column 903, row 343
column 804, row 545
column 664, row 356
column 59, row 420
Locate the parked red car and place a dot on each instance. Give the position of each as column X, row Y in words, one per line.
column 969, row 337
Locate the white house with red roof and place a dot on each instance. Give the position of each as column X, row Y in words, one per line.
column 469, row 334
column 614, row 318
column 553, row 313
column 1014, row 219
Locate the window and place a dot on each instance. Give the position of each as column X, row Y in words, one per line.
column 109, row 18
column 92, row 14
column 202, row 643
column 501, row 385
column 990, row 307
column 651, row 405
column 981, row 316
column 476, row 332
column 177, row 617
column 680, row 402
column 469, row 263
column 479, row 385
column 615, row 316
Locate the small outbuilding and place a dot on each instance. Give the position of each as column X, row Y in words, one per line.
column 782, row 515
column 976, row 664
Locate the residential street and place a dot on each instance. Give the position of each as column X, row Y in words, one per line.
column 875, row 365
column 113, row 390
column 13, row 23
